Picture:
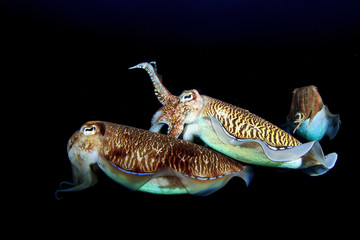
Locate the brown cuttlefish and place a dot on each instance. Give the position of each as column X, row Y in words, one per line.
column 147, row 161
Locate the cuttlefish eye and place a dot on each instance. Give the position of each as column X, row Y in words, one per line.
column 91, row 130
column 185, row 97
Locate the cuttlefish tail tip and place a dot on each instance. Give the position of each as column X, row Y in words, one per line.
column 329, row 163
column 247, row 174
column 331, row 159
column 57, row 197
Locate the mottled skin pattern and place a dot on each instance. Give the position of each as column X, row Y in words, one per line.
column 141, row 151
column 243, row 124
column 147, row 161
column 187, row 108
column 163, row 95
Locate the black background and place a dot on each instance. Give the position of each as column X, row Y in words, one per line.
column 69, row 60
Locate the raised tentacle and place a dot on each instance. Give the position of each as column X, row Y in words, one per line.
column 163, row 95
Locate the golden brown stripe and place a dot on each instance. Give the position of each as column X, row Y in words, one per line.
column 125, row 147
column 242, row 124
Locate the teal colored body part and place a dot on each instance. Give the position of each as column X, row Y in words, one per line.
column 309, row 117
column 157, row 187
column 324, row 123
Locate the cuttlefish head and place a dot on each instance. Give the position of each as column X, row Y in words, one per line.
column 181, row 110
column 306, row 103
column 83, row 148
column 176, row 110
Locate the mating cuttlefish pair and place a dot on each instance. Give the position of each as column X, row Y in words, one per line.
column 163, row 164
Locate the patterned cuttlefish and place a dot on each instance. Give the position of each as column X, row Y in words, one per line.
column 233, row 131
column 147, row 161
column 309, row 117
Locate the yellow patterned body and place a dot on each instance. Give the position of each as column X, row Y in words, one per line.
column 243, row 124
column 233, row 131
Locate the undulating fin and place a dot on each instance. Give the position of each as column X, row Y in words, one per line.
column 277, row 155
column 205, row 186
column 334, row 124
column 244, row 136
column 165, row 181
column 131, row 180
column 308, row 156
column 328, row 163
column 146, row 161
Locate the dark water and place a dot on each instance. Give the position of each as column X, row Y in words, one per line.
column 248, row 53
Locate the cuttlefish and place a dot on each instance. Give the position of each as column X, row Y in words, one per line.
column 233, row 131
column 147, row 161
column 309, row 117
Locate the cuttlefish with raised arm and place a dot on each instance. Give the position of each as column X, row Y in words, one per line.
column 233, row 131
column 147, row 161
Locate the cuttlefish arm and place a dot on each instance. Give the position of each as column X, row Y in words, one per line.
column 190, row 106
column 163, row 95
column 306, row 103
column 148, row 162
column 177, row 110
column 82, row 150
column 170, row 116
column 309, row 117
column 241, row 134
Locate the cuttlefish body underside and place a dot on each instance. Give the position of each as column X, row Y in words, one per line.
column 233, row 131
column 147, row 161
